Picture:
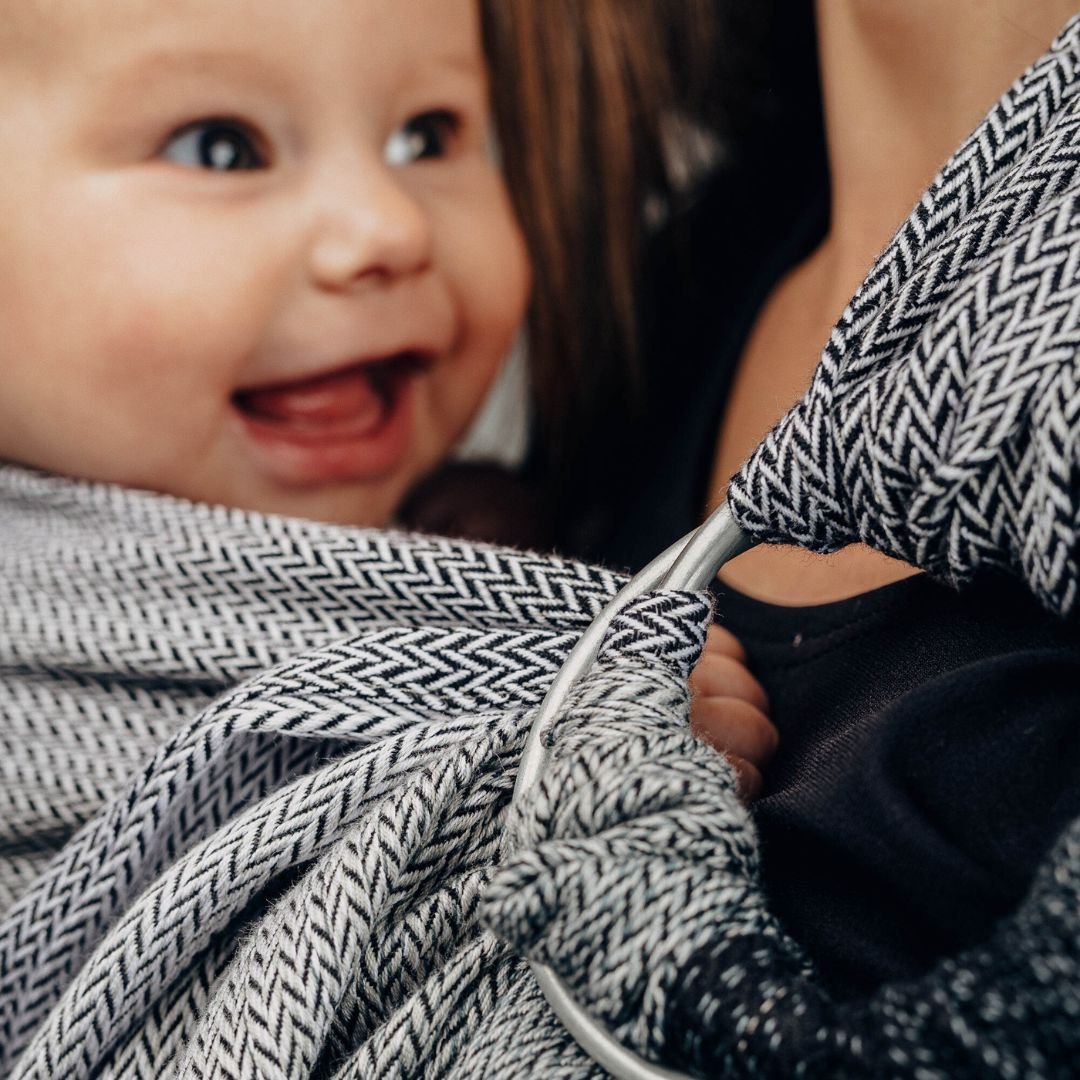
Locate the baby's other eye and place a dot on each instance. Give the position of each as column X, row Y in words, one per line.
column 425, row 136
column 217, row 145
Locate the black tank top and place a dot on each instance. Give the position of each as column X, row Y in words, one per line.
column 929, row 756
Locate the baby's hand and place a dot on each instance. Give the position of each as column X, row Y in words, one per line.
column 729, row 710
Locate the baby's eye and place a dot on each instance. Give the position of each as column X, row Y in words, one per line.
column 218, row 145
column 425, row 136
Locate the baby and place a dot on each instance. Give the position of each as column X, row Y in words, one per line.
column 260, row 254
column 254, row 253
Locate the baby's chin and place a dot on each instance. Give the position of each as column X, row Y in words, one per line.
column 225, row 476
column 368, row 505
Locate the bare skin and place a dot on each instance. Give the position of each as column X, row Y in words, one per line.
column 730, row 710
column 904, row 82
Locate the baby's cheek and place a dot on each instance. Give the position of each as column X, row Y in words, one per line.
column 481, row 259
column 54, row 370
column 144, row 388
column 184, row 304
column 507, row 281
column 172, row 345
column 134, row 342
column 483, row 248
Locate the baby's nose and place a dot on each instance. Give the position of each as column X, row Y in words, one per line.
column 369, row 224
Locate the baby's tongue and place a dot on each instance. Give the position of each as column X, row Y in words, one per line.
column 327, row 401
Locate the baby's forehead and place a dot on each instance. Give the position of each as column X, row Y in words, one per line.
column 37, row 26
column 25, row 19
column 95, row 39
column 30, row 18
column 50, row 22
column 81, row 34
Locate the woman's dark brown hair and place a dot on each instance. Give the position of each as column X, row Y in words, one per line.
column 581, row 91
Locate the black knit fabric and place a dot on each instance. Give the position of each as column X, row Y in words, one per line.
column 928, row 759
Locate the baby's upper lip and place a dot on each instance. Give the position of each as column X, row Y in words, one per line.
column 307, row 374
column 351, row 400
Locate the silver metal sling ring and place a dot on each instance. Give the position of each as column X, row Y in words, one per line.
column 690, row 564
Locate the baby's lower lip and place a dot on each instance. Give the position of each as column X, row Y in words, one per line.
column 353, row 424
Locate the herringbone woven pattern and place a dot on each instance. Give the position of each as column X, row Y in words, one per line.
column 254, row 773
column 122, row 617
column 358, row 773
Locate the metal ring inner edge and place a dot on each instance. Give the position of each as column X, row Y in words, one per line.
column 689, row 564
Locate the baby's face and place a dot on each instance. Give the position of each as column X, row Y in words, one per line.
column 254, row 253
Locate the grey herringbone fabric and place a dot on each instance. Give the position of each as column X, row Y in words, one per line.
column 254, row 772
column 269, row 760
column 942, row 426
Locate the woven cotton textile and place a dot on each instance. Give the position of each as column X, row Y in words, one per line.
column 288, row 885
column 381, row 674
column 942, row 426
column 254, row 773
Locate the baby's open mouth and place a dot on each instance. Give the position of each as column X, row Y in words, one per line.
column 351, row 403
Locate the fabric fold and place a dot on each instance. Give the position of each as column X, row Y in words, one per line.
column 942, row 426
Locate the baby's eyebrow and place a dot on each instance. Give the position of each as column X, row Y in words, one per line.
column 26, row 27
column 159, row 65
column 465, row 63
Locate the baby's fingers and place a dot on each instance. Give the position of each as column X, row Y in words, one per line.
column 722, row 642
column 722, row 676
column 748, row 781
column 735, row 727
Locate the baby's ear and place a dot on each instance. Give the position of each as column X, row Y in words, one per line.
column 484, row 503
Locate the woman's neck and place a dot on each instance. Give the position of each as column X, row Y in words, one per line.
column 904, row 82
